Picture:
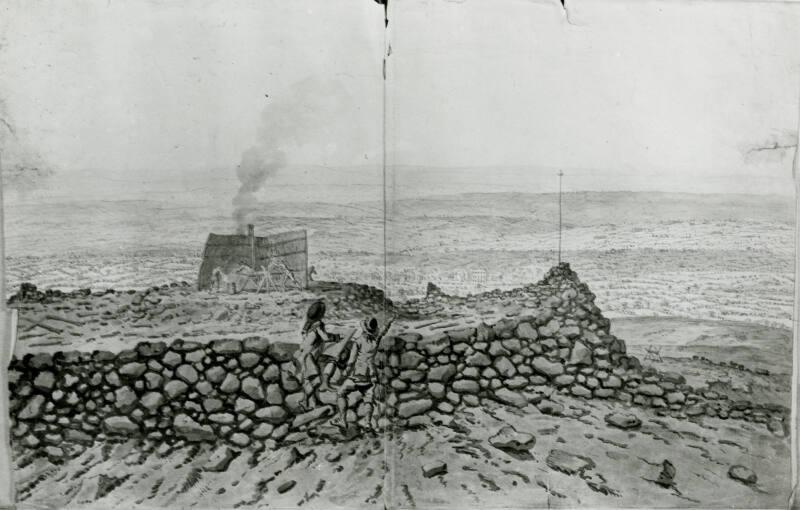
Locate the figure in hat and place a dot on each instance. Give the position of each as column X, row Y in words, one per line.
column 362, row 373
column 308, row 358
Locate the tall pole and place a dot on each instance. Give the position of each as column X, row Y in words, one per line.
column 560, row 175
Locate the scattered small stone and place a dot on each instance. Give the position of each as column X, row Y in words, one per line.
column 508, row 438
column 623, row 421
column 742, row 474
column 551, row 408
column 568, row 463
column 434, row 468
column 666, row 478
column 220, row 459
column 286, row 486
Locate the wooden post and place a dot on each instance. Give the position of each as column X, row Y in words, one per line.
column 560, row 175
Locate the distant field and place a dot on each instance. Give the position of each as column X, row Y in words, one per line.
column 727, row 257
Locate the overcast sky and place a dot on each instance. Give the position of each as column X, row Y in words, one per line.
column 495, row 95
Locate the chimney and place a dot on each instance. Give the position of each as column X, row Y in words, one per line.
column 251, row 235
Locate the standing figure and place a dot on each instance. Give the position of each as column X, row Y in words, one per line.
column 363, row 373
column 312, row 375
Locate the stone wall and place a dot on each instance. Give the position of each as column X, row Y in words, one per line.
column 245, row 392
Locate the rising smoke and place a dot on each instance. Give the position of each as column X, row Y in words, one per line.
column 310, row 115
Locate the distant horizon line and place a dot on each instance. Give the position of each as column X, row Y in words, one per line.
column 65, row 199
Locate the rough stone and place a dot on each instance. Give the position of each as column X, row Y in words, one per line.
column 125, row 399
column 742, row 474
column 504, row 367
column 581, row 391
column 517, row 382
column 249, row 359
column 244, row 405
column 226, row 346
column 272, row 414
column 312, row 415
column 580, row 354
column 252, row 388
column 478, row 359
column 152, row 400
column 175, row 388
column 564, row 380
column 44, row 381
column 509, row 439
column 568, row 463
column 526, row 331
column 33, row 409
column 263, row 431
column 551, row 408
column 77, row 436
column 286, row 486
column 466, row 386
column 219, row 460
column 434, row 468
column 172, row 359
column 437, row 390
column 510, row 397
column 410, row 360
column 547, row 367
column 651, row 390
column 222, row 418
column 119, row 425
column 675, row 397
column 622, row 420
column 187, row 374
column 230, row 384
column 414, row 407
column 133, row 369
column 215, row 374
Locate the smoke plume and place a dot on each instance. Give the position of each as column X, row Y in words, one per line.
column 306, row 118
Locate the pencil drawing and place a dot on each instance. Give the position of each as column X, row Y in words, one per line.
column 391, row 265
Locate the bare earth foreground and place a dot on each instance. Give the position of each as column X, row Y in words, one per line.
column 577, row 460
column 572, row 455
